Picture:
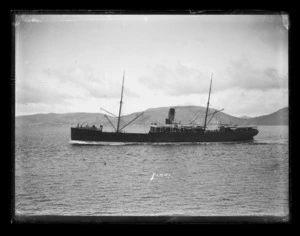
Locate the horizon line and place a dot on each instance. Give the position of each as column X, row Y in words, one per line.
column 143, row 111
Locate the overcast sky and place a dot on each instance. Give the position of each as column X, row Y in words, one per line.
column 75, row 63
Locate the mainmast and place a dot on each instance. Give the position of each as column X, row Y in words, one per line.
column 120, row 104
column 207, row 103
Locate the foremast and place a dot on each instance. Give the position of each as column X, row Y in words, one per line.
column 207, row 103
column 118, row 129
column 119, row 117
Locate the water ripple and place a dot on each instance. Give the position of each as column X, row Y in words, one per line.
column 241, row 178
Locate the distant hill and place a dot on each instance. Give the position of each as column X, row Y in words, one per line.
column 280, row 117
column 245, row 117
column 184, row 114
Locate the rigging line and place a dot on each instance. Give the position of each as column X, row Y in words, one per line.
column 131, row 121
column 110, row 122
column 197, row 116
column 218, row 119
column 210, row 119
column 108, row 112
column 83, row 123
column 215, row 112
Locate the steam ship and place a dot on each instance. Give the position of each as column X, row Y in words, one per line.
column 170, row 132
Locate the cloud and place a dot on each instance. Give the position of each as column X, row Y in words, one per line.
column 181, row 80
column 240, row 102
column 244, row 74
column 88, row 80
column 240, row 73
column 26, row 94
column 61, row 85
column 272, row 30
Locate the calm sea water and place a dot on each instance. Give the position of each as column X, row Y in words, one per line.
column 220, row 179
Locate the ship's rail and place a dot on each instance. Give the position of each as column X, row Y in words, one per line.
column 175, row 128
column 87, row 127
column 170, row 128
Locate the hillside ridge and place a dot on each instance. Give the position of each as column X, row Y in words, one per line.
column 184, row 114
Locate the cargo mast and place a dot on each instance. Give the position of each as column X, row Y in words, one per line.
column 207, row 103
column 118, row 129
column 121, row 104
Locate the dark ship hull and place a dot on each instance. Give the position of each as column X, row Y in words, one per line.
column 89, row 135
column 170, row 132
